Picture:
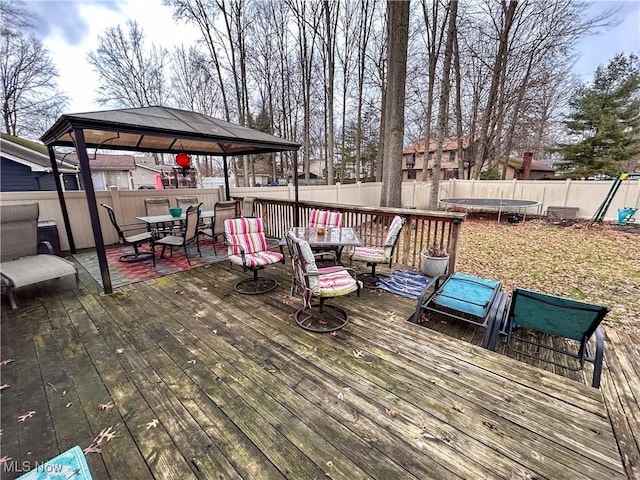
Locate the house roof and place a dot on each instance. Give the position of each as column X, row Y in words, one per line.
column 162, row 129
column 34, row 155
column 103, row 161
column 535, row 165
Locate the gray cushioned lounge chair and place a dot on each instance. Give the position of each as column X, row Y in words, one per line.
column 21, row 264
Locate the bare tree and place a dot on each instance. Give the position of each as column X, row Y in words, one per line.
column 435, row 21
column 443, row 103
column 398, row 35
column 31, row 101
column 130, row 75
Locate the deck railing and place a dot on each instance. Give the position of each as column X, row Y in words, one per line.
column 422, row 228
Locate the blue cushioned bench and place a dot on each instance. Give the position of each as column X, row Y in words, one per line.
column 476, row 300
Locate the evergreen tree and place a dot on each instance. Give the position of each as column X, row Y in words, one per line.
column 605, row 120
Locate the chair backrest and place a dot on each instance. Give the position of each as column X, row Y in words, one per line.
column 114, row 222
column 560, row 316
column 324, row 218
column 303, row 262
column 224, row 210
column 156, row 206
column 191, row 223
column 248, row 207
column 18, row 231
column 184, row 202
column 245, row 234
column 393, row 234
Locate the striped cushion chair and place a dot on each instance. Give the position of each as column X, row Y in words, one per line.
column 323, row 283
column 325, row 218
column 247, row 247
column 375, row 254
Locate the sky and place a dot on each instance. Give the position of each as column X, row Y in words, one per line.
column 70, row 29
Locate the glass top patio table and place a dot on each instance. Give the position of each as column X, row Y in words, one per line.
column 333, row 237
column 170, row 218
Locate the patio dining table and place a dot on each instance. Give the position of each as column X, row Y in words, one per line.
column 334, row 238
column 155, row 219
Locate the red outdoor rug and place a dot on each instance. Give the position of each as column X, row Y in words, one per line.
column 124, row 273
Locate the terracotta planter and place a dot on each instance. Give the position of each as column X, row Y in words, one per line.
column 434, row 266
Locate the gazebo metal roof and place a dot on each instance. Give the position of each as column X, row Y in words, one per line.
column 150, row 129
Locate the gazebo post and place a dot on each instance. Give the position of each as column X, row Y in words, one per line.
column 226, row 176
column 296, row 213
column 85, row 171
column 63, row 203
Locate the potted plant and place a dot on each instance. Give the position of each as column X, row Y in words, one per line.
column 435, row 261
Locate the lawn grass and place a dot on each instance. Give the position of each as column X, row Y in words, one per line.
column 595, row 264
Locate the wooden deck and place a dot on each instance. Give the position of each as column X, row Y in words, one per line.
column 181, row 378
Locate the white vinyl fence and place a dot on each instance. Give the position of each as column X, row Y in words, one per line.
column 586, row 196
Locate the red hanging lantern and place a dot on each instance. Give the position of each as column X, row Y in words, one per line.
column 183, row 160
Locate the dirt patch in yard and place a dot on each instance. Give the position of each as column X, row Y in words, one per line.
column 595, row 264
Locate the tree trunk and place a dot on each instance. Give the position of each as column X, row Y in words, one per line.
column 444, row 102
column 398, row 37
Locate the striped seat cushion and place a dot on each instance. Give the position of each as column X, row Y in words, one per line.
column 369, row 254
column 257, row 259
column 335, row 282
column 325, row 218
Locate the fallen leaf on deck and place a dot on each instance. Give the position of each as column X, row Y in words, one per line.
column 391, row 412
column 457, row 406
column 200, row 314
column 68, row 405
column 23, row 417
column 106, row 406
column 4, row 459
column 152, row 424
column 6, row 362
column 106, row 434
column 341, row 396
column 52, row 386
column 358, row 353
column 92, row 449
column 192, row 362
column 4, row 385
column 119, row 350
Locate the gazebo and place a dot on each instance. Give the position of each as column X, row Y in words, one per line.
column 156, row 130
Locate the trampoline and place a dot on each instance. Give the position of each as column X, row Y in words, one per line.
column 501, row 204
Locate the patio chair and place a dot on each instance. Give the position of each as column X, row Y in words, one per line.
column 575, row 322
column 374, row 255
column 475, row 300
column 134, row 241
column 159, row 206
column 248, row 207
column 223, row 211
column 327, row 219
column 322, row 283
column 186, row 237
column 185, row 202
column 20, row 262
column 247, row 247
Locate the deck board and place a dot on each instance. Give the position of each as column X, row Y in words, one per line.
column 207, row 383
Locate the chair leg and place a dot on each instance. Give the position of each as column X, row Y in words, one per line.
column 186, row 253
column 597, row 361
column 12, row 298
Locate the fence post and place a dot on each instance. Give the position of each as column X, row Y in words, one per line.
column 453, row 244
column 566, row 192
column 117, row 205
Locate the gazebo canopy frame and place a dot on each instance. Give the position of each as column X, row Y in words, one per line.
column 156, row 130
